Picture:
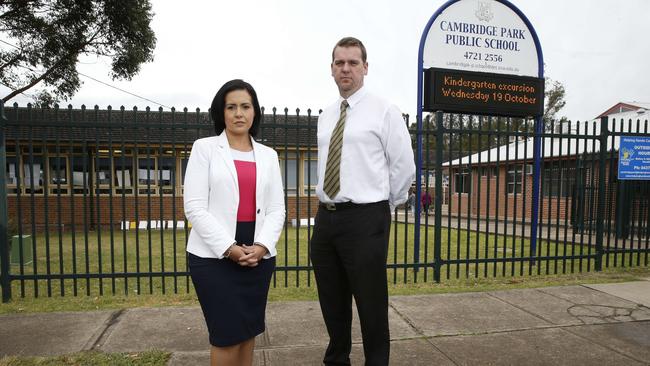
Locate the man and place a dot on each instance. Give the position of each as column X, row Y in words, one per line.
column 365, row 169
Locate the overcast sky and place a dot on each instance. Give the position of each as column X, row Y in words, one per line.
column 599, row 50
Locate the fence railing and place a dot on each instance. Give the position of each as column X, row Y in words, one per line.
column 91, row 200
column 483, row 225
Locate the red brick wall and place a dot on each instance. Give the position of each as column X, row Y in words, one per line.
column 499, row 201
column 68, row 210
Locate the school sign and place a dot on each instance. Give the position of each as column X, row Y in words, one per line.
column 482, row 57
column 479, row 57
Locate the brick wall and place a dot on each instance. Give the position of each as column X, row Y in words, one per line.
column 500, row 204
column 69, row 210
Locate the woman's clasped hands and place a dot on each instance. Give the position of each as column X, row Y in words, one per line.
column 247, row 255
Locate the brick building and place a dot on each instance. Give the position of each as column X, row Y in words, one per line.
column 498, row 182
column 84, row 167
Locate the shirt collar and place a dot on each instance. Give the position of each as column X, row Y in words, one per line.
column 354, row 98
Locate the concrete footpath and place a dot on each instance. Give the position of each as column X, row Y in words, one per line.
column 605, row 324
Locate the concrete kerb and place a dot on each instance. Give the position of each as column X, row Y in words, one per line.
column 604, row 324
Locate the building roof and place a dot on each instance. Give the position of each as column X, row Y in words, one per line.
column 624, row 107
column 565, row 145
column 277, row 129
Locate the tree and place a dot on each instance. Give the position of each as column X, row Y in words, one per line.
column 42, row 41
column 554, row 93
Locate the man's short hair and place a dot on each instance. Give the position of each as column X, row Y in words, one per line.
column 351, row 42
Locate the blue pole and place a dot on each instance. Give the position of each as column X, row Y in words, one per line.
column 539, row 129
column 418, row 169
column 537, row 162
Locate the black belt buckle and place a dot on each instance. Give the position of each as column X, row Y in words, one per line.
column 329, row 206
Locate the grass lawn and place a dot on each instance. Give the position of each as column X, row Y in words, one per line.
column 148, row 358
column 131, row 252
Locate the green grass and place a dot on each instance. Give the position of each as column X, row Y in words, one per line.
column 148, row 358
column 155, row 251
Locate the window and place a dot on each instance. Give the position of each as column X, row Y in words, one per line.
column 485, row 172
column 557, row 180
column 123, row 167
column 495, row 171
column 146, row 175
column 529, row 169
column 183, row 169
column 102, row 175
column 58, row 174
column 515, row 179
column 33, row 171
column 167, row 171
column 146, row 171
column 289, row 171
column 310, row 175
column 80, row 179
column 11, row 172
column 462, row 181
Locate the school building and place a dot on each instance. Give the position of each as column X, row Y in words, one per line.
column 498, row 182
column 88, row 167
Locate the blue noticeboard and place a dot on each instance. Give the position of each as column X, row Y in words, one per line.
column 634, row 158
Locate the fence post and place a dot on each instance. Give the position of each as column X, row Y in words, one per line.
column 5, row 281
column 437, row 230
column 600, row 213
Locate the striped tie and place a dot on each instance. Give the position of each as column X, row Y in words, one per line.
column 332, row 181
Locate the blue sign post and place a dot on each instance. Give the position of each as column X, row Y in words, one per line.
column 478, row 39
column 634, row 158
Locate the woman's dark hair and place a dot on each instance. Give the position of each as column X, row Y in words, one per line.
column 219, row 104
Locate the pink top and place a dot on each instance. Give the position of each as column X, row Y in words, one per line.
column 246, row 175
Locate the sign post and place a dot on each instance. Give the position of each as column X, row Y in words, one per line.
column 479, row 57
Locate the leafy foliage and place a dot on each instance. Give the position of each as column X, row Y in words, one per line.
column 554, row 93
column 42, row 41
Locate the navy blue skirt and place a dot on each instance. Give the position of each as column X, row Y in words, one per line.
column 233, row 298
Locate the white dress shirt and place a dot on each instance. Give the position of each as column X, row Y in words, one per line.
column 211, row 197
column 377, row 159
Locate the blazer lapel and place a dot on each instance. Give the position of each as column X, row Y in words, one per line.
column 259, row 165
column 224, row 151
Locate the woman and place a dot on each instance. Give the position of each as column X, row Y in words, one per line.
column 234, row 200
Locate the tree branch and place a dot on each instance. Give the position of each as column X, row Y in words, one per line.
column 9, row 63
column 15, row 7
column 38, row 79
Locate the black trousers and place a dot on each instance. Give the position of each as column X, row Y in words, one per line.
column 348, row 251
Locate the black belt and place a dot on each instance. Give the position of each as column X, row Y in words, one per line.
column 339, row 206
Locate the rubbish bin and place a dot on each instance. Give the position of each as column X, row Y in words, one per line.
column 26, row 249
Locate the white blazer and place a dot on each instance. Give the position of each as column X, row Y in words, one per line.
column 211, row 197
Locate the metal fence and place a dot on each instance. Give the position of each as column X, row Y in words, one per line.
column 91, row 200
column 587, row 218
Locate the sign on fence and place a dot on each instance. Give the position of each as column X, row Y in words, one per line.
column 634, row 158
